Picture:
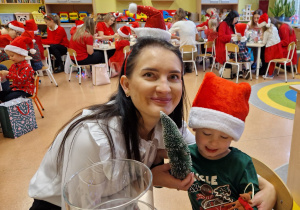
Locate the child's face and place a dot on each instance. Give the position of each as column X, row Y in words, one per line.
column 212, row 144
column 16, row 58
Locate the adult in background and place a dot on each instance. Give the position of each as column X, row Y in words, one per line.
column 225, row 32
column 82, row 42
column 287, row 35
column 57, row 39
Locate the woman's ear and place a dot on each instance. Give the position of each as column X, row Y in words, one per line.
column 124, row 82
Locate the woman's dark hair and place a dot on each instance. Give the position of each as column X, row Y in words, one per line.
column 278, row 23
column 122, row 106
column 229, row 19
column 256, row 12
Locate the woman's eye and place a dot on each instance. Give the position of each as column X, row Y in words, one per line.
column 175, row 77
column 148, row 74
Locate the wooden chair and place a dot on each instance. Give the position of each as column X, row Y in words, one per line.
column 207, row 55
column 49, row 68
column 230, row 47
column 73, row 53
column 35, row 98
column 284, row 199
column 288, row 59
column 189, row 49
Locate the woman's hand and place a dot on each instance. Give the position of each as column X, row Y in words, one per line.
column 162, row 177
column 265, row 199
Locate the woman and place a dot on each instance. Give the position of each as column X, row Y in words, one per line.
column 57, row 39
column 287, row 35
column 225, row 32
column 253, row 26
column 82, row 42
column 128, row 126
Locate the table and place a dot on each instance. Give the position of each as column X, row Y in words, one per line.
column 258, row 45
column 293, row 181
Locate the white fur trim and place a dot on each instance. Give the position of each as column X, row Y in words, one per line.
column 15, row 49
column 79, row 26
column 265, row 24
column 32, row 51
column 153, row 32
column 33, row 41
column 122, row 34
column 16, row 28
column 55, row 27
column 36, row 32
column 132, row 8
column 209, row 118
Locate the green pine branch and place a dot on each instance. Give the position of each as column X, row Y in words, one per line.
column 177, row 149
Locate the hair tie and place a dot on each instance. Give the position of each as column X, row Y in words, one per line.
column 126, row 62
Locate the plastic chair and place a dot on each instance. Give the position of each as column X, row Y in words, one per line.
column 35, row 98
column 49, row 68
column 235, row 49
column 288, row 59
column 189, row 49
column 207, row 55
column 284, row 197
column 73, row 53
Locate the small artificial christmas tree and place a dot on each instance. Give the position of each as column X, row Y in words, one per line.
column 177, row 149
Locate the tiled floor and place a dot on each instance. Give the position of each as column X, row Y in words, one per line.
column 266, row 137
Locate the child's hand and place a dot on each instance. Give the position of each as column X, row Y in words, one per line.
column 3, row 74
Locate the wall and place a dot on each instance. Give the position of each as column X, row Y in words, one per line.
column 242, row 4
column 104, row 6
column 10, row 8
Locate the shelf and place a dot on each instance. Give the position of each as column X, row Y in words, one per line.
column 20, row 3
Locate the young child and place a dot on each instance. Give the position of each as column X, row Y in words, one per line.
column 271, row 40
column 5, row 39
column 20, row 72
column 218, row 117
column 116, row 61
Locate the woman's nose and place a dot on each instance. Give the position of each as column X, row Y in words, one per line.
column 163, row 85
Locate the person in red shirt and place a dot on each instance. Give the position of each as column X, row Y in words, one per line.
column 57, row 39
column 116, row 61
column 20, row 72
column 225, row 32
column 82, row 42
column 287, row 35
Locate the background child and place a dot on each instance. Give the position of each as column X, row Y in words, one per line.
column 116, row 61
column 218, row 116
column 271, row 40
column 20, row 72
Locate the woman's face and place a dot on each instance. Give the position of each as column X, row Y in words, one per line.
column 256, row 18
column 111, row 21
column 156, row 82
column 235, row 20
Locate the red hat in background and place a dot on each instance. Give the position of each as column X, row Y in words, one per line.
column 124, row 31
column 19, row 45
column 222, row 105
column 17, row 26
column 264, row 20
column 5, row 39
column 79, row 23
column 31, row 26
column 134, row 25
column 155, row 18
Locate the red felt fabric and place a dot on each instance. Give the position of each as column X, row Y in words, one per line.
column 57, row 36
column 271, row 53
column 286, row 39
column 80, row 47
column 224, row 36
column 118, row 57
column 240, row 28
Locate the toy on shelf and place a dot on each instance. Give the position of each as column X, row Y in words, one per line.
column 38, row 17
column 247, row 13
column 82, row 14
column 168, row 14
column 73, row 16
column 64, row 17
column 22, row 17
column 6, row 18
column 130, row 16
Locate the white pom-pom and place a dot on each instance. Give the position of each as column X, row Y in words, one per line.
column 33, row 41
column 132, row 8
column 32, row 51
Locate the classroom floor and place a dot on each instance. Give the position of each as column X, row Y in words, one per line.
column 266, row 137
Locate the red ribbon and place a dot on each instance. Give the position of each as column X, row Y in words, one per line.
column 21, row 111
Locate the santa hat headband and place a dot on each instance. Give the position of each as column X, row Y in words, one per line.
column 124, row 31
column 264, row 20
column 19, row 45
column 154, row 20
column 79, row 23
column 31, row 26
column 152, row 32
column 17, row 26
column 221, row 105
column 134, row 25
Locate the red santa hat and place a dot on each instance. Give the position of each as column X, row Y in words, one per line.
column 79, row 23
column 30, row 25
column 264, row 20
column 154, row 20
column 117, row 14
column 19, row 45
column 5, row 39
column 124, row 31
column 222, row 105
column 134, row 25
column 17, row 26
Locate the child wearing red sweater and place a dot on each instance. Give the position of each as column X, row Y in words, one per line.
column 57, row 39
column 116, row 61
column 20, row 72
